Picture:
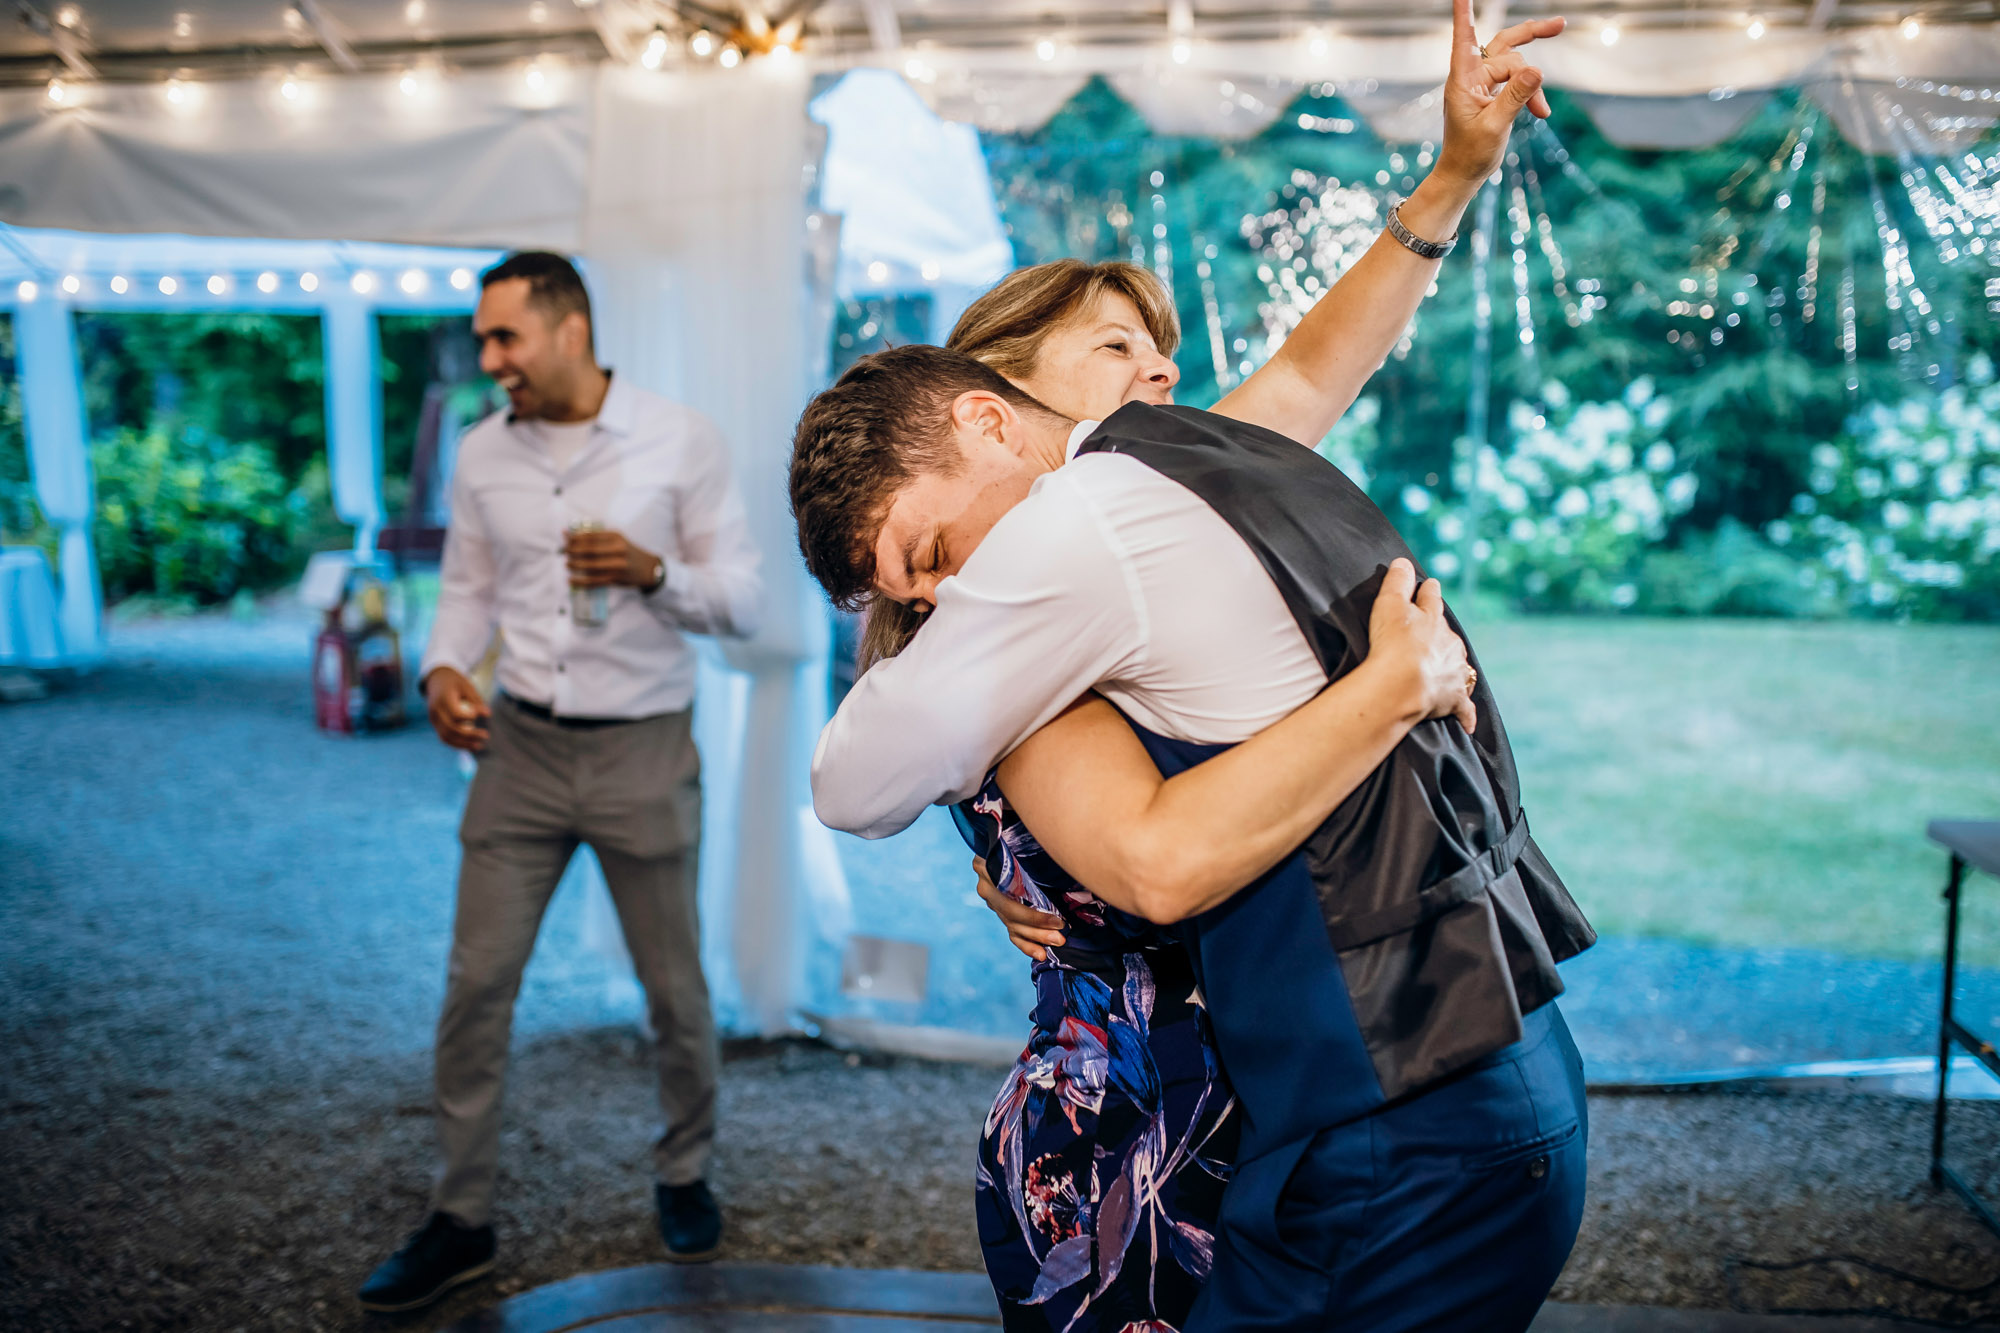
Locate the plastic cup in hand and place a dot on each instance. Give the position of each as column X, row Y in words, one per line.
column 589, row 607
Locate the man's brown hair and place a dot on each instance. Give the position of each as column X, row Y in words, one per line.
column 887, row 420
column 1007, row 326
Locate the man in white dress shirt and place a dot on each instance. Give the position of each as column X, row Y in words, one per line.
column 589, row 740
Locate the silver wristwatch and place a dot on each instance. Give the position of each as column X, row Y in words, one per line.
column 1416, row 245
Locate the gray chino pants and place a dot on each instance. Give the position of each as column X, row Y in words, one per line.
column 632, row 791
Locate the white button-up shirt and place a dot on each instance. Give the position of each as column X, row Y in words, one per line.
column 651, row 469
column 1107, row 576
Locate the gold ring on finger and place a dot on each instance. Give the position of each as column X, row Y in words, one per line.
column 1482, row 53
column 1471, row 678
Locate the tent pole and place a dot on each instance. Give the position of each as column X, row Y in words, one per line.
column 354, row 418
column 59, row 458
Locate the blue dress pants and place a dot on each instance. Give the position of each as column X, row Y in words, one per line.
column 1453, row 1209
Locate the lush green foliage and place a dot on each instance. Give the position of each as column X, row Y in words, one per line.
column 192, row 516
column 1721, row 280
column 209, row 443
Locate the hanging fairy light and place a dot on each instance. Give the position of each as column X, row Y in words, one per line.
column 169, row 286
column 308, row 282
column 1910, row 28
column 461, row 279
column 120, row 284
column 730, row 57
column 413, row 282
column 1311, row 235
column 58, row 91
column 27, row 291
column 1608, row 34
column 1755, row 28
column 267, row 283
column 71, row 284
column 217, row 284
column 1809, row 280
column 702, row 43
column 363, row 283
column 655, row 53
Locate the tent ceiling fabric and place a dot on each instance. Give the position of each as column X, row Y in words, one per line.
column 472, row 123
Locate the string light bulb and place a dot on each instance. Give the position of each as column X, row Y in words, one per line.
column 27, row 291
column 413, row 282
column 308, row 282
column 58, row 91
column 702, row 43
column 538, row 13
column 120, row 284
column 408, row 83
column 72, row 284
column 177, row 92
column 289, row 90
column 413, row 12
column 1609, row 34
column 363, row 283
column 461, row 279
column 1911, row 27
column 1045, row 49
column 655, row 53
column 169, row 286
column 267, row 283
column 535, row 78
column 217, row 284
column 1181, row 52
column 1756, row 28
column 730, row 57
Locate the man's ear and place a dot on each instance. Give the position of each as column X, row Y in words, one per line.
column 573, row 334
column 980, row 414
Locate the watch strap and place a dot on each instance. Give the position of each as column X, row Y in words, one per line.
column 1416, row 244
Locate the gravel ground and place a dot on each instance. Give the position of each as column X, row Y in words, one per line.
column 223, row 937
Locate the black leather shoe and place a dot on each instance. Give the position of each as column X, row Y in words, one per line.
column 690, row 1223
column 440, row 1256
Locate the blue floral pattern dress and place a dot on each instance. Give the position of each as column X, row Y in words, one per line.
column 1103, row 1161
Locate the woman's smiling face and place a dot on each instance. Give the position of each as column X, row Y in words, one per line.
column 1100, row 359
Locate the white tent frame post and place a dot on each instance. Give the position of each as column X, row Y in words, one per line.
column 354, row 416
column 52, row 412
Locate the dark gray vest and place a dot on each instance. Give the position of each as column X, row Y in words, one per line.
column 1445, row 918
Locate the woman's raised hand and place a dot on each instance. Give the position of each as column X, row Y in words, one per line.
column 1485, row 90
column 1409, row 633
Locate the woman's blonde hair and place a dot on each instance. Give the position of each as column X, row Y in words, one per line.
column 1006, row 329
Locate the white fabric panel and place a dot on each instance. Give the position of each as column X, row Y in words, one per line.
column 1387, row 78
column 1671, row 122
column 28, row 632
column 354, row 418
column 52, row 403
column 695, row 232
column 1879, row 117
column 910, row 189
column 1181, row 101
column 474, row 159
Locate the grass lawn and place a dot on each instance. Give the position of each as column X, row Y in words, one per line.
column 1756, row 783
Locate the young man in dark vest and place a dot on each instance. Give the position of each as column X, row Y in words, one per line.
column 1413, row 1151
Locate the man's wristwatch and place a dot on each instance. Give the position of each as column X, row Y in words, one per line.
column 657, row 580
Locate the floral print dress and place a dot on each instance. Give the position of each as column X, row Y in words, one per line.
column 1103, row 1161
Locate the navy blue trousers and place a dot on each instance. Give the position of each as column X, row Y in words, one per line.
column 1453, row 1209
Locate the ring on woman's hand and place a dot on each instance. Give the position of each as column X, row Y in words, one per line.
column 1471, row 678
column 1482, row 53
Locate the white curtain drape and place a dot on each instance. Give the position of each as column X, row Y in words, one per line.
column 695, row 228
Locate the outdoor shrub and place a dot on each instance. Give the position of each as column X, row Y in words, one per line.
column 1565, row 518
column 1902, row 511
column 187, row 515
